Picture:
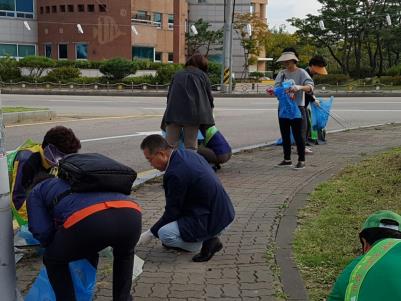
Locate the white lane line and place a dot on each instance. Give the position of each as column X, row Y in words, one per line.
column 83, row 119
column 122, row 136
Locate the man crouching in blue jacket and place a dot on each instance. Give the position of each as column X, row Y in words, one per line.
column 197, row 207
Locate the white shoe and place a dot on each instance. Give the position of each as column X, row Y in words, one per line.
column 308, row 151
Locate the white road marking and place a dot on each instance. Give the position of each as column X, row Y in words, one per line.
column 122, row 136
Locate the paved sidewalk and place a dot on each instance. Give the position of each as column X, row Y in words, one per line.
column 245, row 269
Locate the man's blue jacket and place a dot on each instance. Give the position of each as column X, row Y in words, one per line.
column 195, row 198
column 43, row 220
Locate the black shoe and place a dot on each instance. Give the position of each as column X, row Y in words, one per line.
column 285, row 163
column 209, row 248
column 174, row 248
column 300, row 165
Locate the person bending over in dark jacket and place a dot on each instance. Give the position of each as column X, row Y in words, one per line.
column 189, row 103
column 197, row 207
column 215, row 148
column 79, row 226
column 35, row 158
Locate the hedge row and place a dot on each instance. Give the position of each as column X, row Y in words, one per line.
column 114, row 70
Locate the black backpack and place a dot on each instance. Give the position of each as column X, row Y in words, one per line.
column 94, row 172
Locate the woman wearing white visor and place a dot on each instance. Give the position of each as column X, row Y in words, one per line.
column 302, row 83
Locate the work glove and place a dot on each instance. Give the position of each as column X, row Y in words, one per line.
column 145, row 237
column 317, row 102
column 295, row 88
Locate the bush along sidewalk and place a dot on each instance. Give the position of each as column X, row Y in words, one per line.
column 326, row 239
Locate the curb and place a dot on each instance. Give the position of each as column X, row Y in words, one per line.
column 18, row 117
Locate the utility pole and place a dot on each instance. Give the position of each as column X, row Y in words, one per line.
column 226, row 74
column 8, row 282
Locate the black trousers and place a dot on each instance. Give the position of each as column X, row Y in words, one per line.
column 119, row 228
column 298, row 127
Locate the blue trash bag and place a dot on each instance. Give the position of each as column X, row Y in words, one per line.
column 320, row 115
column 83, row 276
column 23, row 238
column 287, row 108
column 279, row 141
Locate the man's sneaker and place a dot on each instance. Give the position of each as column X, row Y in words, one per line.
column 308, row 151
column 284, row 163
column 300, row 165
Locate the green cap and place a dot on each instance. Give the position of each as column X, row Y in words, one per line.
column 379, row 220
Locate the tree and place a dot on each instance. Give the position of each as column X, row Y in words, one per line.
column 356, row 34
column 9, row 69
column 252, row 44
column 206, row 40
column 36, row 65
column 117, row 68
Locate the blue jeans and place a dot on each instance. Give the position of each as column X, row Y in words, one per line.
column 170, row 236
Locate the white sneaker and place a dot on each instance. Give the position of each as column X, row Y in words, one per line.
column 308, row 151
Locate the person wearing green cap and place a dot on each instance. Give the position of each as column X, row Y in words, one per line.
column 376, row 275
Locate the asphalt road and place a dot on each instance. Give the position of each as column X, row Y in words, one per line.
column 115, row 126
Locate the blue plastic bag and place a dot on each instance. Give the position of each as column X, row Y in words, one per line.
column 83, row 276
column 287, row 108
column 320, row 115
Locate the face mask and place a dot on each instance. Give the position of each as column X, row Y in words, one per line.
column 52, row 154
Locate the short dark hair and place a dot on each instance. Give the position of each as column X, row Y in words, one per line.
column 154, row 143
column 317, row 60
column 63, row 138
column 374, row 234
column 199, row 61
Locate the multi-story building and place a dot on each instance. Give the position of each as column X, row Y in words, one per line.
column 94, row 29
column 18, row 28
column 212, row 11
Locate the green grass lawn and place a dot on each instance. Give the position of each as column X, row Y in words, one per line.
column 327, row 236
column 20, row 109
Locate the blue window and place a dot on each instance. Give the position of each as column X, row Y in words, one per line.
column 7, row 5
column 143, row 53
column 24, row 6
column 26, row 50
column 8, row 50
column 48, row 50
column 16, row 8
column 82, row 51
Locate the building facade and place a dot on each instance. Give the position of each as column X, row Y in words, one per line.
column 212, row 11
column 94, row 29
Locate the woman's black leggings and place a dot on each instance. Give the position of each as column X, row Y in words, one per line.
column 119, row 228
column 298, row 127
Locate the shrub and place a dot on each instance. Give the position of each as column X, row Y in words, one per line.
column 390, row 80
column 394, row 71
column 63, row 74
column 36, row 64
column 117, row 68
column 332, row 79
column 64, row 63
column 214, row 72
column 9, row 70
column 166, row 72
column 86, row 80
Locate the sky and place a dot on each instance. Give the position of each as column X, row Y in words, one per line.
column 280, row 10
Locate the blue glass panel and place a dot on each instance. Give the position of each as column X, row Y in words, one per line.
column 25, row 6
column 26, row 50
column 82, row 51
column 143, row 53
column 48, row 50
column 7, row 4
column 8, row 50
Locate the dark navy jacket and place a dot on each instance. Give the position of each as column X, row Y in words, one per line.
column 195, row 198
column 44, row 222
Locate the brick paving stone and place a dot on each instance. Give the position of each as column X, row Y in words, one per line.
column 258, row 191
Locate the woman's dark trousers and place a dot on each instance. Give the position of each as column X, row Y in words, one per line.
column 119, row 228
column 297, row 126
